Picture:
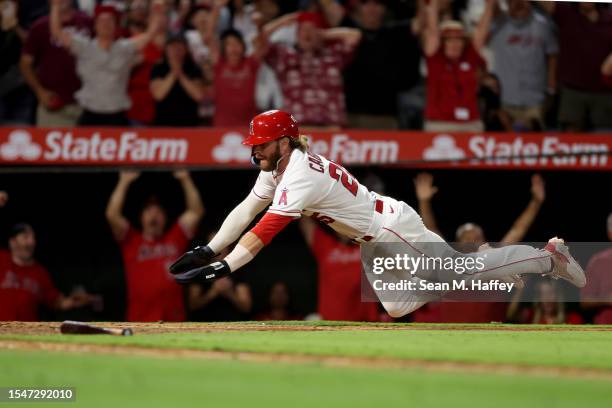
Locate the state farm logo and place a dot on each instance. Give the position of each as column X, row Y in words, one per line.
column 20, row 146
column 443, row 148
column 64, row 146
column 231, row 149
column 544, row 151
column 341, row 148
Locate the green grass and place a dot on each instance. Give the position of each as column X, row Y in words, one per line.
column 122, row 381
column 163, row 382
column 562, row 348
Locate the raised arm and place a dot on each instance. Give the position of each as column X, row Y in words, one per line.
column 278, row 23
column 349, row 36
column 522, row 224
column 114, row 209
column 425, row 190
column 431, row 34
column 55, row 25
column 194, row 210
column 139, row 41
column 482, row 29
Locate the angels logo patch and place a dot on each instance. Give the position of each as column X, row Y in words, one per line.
column 283, row 198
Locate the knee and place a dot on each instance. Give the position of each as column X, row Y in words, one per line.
column 394, row 309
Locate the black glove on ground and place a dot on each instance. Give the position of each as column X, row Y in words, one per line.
column 197, row 257
column 206, row 273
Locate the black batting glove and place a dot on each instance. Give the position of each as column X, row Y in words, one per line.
column 206, row 273
column 197, row 257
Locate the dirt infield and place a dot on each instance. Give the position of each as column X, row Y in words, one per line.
column 40, row 328
column 328, row 361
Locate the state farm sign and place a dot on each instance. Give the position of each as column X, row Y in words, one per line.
column 546, row 150
column 65, row 146
column 223, row 148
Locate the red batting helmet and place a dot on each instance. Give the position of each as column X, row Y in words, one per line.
column 271, row 125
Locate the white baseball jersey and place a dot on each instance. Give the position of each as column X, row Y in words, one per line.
column 314, row 186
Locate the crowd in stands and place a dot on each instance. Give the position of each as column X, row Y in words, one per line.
column 153, row 242
column 497, row 65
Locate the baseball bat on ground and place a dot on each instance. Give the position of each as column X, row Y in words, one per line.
column 73, row 327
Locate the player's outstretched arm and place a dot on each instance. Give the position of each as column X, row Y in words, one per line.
column 247, row 248
column 235, row 223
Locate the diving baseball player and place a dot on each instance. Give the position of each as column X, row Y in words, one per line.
column 294, row 182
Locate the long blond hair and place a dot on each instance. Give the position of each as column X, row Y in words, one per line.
column 300, row 142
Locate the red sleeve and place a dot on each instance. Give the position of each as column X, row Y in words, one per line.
column 48, row 293
column 274, row 56
column 270, row 225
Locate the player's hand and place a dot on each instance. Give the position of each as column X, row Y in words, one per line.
column 538, row 188
column 423, row 184
column 197, row 257
column 206, row 273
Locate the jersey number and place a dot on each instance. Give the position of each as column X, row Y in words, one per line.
column 336, row 172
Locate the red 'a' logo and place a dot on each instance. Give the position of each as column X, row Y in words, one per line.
column 283, row 198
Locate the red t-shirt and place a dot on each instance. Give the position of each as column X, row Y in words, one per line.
column 143, row 104
column 599, row 285
column 584, row 45
column 340, row 280
column 152, row 293
column 312, row 84
column 23, row 288
column 235, row 92
column 54, row 65
column 452, row 86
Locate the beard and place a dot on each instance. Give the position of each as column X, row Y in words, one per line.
column 269, row 163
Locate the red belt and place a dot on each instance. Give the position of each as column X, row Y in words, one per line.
column 379, row 206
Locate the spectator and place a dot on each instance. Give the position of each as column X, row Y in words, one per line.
column 547, row 309
column 470, row 237
column 279, row 304
column 176, row 86
column 525, row 50
column 606, row 70
column 339, row 272
column 597, row 294
column 585, row 38
column 495, row 119
column 385, row 63
column 142, row 112
column 454, row 66
column 152, row 293
column 310, row 73
column 25, row 284
column 16, row 100
column 224, row 300
column 50, row 71
column 199, row 33
column 234, row 81
column 103, row 63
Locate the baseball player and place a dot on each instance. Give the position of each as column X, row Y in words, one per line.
column 294, row 182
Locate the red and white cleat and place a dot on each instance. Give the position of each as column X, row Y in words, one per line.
column 564, row 265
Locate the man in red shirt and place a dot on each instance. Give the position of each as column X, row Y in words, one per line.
column 152, row 294
column 310, row 73
column 597, row 294
column 25, row 284
column 339, row 270
column 454, row 66
column 49, row 69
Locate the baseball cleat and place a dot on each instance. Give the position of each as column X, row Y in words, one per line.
column 564, row 265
